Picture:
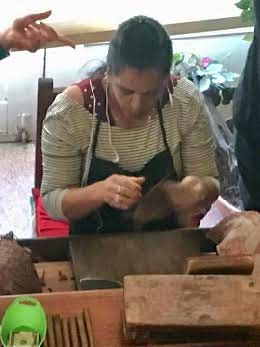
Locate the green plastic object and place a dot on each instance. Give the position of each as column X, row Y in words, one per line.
column 24, row 314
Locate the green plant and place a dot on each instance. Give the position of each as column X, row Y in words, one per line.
column 209, row 75
column 248, row 11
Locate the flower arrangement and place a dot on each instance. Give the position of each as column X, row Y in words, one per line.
column 210, row 76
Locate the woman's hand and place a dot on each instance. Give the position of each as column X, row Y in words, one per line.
column 122, row 192
column 192, row 198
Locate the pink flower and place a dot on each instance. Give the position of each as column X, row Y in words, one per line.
column 206, row 61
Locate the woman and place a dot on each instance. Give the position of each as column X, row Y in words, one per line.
column 108, row 140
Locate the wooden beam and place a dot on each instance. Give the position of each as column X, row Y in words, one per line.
column 205, row 26
column 83, row 35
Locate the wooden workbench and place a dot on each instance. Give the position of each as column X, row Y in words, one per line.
column 105, row 307
column 106, row 310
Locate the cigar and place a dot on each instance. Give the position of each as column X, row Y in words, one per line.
column 50, row 332
column 89, row 327
column 65, row 331
column 57, row 330
column 215, row 264
column 45, row 342
column 82, row 331
column 73, row 332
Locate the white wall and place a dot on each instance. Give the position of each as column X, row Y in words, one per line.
column 21, row 71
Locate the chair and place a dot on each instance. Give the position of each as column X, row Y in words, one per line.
column 46, row 95
column 44, row 225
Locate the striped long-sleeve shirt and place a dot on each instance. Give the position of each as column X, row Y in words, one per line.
column 67, row 131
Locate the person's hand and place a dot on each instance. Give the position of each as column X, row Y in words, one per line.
column 192, row 198
column 192, row 194
column 27, row 34
column 122, row 192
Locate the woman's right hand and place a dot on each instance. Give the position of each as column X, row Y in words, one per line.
column 122, row 192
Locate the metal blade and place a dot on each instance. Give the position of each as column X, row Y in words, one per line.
column 112, row 256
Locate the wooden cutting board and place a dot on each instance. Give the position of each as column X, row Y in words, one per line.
column 175, row 308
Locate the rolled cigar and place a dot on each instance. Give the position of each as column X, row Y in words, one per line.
column 73, row 332
column 50, row 332
column 57, row 330
column 82, row 331
column 45, row 342
column 65, row 331
column 214, row 264
column 89, row 327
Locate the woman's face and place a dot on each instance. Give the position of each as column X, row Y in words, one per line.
column 135, row 92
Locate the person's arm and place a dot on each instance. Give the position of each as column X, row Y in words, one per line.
column 193, row 196
column 27, row 34
column 198, row 145
column 118, row 191
column 62, row 160
column 62, row 156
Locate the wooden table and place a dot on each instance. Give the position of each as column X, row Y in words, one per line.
column 105, row 306
column 106, row 309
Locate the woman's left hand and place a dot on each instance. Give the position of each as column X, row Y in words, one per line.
column 192, row 198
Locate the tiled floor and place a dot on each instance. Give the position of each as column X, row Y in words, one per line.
column 16, row 182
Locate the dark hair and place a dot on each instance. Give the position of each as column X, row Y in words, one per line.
column 140, row 42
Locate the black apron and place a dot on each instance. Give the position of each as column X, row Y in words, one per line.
column 109, row 219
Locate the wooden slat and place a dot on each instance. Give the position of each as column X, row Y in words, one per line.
column 81, row 35
column 50, row 331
